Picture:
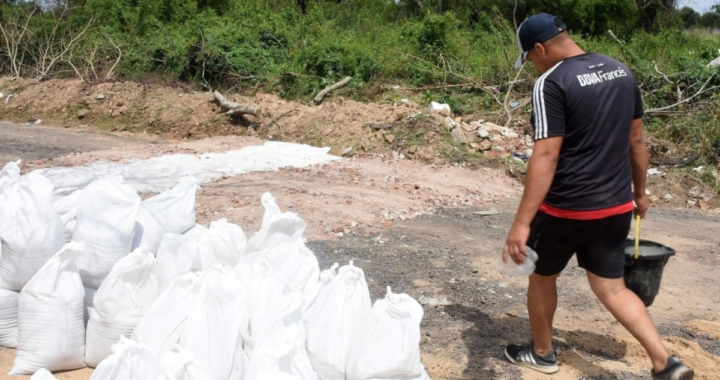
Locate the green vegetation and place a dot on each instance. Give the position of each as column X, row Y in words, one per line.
column 459, row 52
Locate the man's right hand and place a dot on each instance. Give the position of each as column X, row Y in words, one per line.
column 641, row 204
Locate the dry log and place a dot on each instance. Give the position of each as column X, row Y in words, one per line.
column 234, row 109
column 319, row 97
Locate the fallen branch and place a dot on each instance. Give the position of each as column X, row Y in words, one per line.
column 231, row 108
column 700, row 92
column 319, row 97
column 661, row 73
column 275, row 120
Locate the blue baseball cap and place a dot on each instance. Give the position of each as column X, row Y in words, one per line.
column 537, row 29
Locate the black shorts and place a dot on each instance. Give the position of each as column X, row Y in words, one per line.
column 599, row 244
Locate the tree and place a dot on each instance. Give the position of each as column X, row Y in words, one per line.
column 689, row 17
column 655, row 13
column 709, row 20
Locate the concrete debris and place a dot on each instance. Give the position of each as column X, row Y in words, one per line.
column 483, row 133
column 698, row 169
column 439, row 108
column 485, row 145
column 653, row 171
column 450, row 123
column 705, row 197
column 462, row 136
column 694, row 192
column 402, row 102
column 100, row 97
column 82, row 113
column 510, row 134
column 691, row 203
column 654, row 199
column 668, row 197
column 468, row 127
column 433, row 302
column 347, row 151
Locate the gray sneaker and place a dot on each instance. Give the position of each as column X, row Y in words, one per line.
column 674, row 370
column 525, row 356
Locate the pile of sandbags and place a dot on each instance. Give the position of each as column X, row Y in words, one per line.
column 142, row 292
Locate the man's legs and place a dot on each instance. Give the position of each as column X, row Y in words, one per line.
column 541, row 302
column 629, row 310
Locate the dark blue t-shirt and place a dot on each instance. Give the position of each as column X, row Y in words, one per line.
column 590, row 100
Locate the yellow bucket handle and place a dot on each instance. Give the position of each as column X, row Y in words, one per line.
column 637, row 236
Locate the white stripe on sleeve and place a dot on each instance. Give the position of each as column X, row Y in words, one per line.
column 541, row 129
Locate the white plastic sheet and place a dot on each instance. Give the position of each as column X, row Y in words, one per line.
column 123, row 298
column 162, row 325
column 30, row 228
column 51, row 332
column 106, row 224
column 129, row 360
column 387, row 343
column 161, row 173
column 172, row 211
column 334, row 318
column 212, row 329
column 9, row 318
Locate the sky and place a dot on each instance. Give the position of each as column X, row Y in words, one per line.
column 701, row 6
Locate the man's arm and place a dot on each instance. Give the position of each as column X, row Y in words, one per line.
column 540, row 173
column 639, row 161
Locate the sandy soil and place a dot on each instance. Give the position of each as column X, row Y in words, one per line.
column 436, row 231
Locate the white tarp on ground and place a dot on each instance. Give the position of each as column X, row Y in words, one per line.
column 161, row 173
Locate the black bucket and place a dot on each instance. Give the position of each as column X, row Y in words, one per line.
column 643, row 275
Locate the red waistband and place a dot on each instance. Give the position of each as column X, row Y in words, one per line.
column 587, row 215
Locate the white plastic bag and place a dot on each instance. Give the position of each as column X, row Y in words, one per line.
column 172, row 211
column 334, row 318
column 313, row 288
column 30, row 228
column 162, row 325
column 277, row 228
column 130, row 360
column 9, row 318
column 180, row 364
column 43, row 374
column 123, row 298
column 51, row 332
column 212, row 329
column 387, row 343
column 106, row 224
column 525, row 269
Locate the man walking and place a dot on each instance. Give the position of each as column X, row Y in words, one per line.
column 578, row 198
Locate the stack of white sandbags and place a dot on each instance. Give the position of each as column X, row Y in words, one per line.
column 212, row 304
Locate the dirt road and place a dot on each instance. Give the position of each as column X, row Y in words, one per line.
column 436, row 232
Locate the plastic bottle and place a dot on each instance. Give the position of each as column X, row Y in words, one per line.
column 525, row 269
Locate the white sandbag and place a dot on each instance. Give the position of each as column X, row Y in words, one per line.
column 162, row 325
column 30, row 228
column 130, row 360
column 43, row 374
column 176, row 256
column 9, row 318
column 106, row 224
column 268, row 296
column 88, row 303
column 334, row 318
column 212, row 329
column 281, row 356
column 172, row 211
column 387, row 343
column 180, row 364
column 224, row 242
column 196, row 232
column 9, row 173
column 313, row 288
column 123, row 298
column 66, row 206
column 277, row 228
column 51, row 332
